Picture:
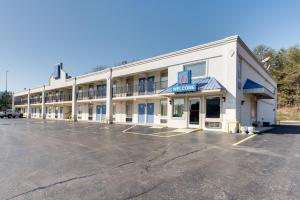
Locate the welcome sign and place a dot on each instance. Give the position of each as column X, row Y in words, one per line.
column 184, row 88
column 184, row 83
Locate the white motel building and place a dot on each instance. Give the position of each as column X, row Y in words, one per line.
column 207, row 86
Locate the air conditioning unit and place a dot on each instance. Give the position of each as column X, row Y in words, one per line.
column 213, row 125
column 128, row 119
column 163, row 121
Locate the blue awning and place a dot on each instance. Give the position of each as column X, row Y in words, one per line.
column 261, row 92
column 202, row 84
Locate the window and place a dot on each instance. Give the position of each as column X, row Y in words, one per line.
column 101, row 91
column 80, row 93
column 91, row 91
column 163, row 107
column 129, row 87
column 178, row 107
column 128, row 112
column 164, row 79
column 198, row 69
column 213, row 108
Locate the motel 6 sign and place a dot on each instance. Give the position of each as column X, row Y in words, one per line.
column 184, row 83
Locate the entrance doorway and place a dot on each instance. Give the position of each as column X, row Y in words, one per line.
column 194, row 112
column 56, row 112
column 141, row 112
column 150, row 113
column 100, row 112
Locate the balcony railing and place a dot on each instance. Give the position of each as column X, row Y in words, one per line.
column 21, row 102
column 35, row 100
column 90, row 94
column 58, row 98
column 141, row 89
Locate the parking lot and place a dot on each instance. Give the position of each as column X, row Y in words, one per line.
column 65, row 160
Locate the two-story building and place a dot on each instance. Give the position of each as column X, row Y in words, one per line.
column 206, row 86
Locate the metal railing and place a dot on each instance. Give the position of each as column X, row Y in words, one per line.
column 35, row 100
column 58, row 98
column 21, row 102
column 140, row 89
column 90, row 94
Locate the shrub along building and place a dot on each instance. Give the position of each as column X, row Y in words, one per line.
column 206, row 86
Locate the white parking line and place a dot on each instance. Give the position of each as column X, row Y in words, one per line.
column 243, row 140
column 124, row 131
column 157, row 134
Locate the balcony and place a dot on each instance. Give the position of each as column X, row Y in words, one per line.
column 21, row 102
column 90, row 94
column 58, row 98
column 140, row 89
column 35, row 100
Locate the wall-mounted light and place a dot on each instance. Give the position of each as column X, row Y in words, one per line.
column 170, row 101
column 242, row 102
column 223, row 99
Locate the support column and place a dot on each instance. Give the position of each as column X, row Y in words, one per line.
column 43, row 104
column 74, row 101
column 109, row 97
column 28, row 105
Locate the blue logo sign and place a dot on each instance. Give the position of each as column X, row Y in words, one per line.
column 184, row 77
column 184, row 83
column 56, row 72
column 184, row 88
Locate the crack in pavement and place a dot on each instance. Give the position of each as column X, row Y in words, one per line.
column 128, row 163
column 144, row 192
column 180, row 156
column 50, row 185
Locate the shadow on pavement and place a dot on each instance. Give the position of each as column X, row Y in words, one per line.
column 284, row 129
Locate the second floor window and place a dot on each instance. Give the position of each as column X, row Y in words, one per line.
column 91, row 91
column 164, row 79
column 198, row 69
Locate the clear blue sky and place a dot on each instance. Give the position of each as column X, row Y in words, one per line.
column 36, row 34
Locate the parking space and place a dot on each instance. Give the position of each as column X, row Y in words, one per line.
column 66, row 160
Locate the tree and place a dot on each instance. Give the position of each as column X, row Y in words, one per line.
column 284, row 66
column 5, row 100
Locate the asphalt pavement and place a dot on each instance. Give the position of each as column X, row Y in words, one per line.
column 65, row 160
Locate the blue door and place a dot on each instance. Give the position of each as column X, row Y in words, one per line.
column 100, row 112
column 141, row 118
column 150, row 85
column 150, row 113
column 142, row 86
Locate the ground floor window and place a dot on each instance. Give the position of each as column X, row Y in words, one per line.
column 178, row 107
column 213, row 107
column 129, row 111
column 164, row 108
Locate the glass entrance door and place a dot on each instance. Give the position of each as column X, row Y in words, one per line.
column 194, row 112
